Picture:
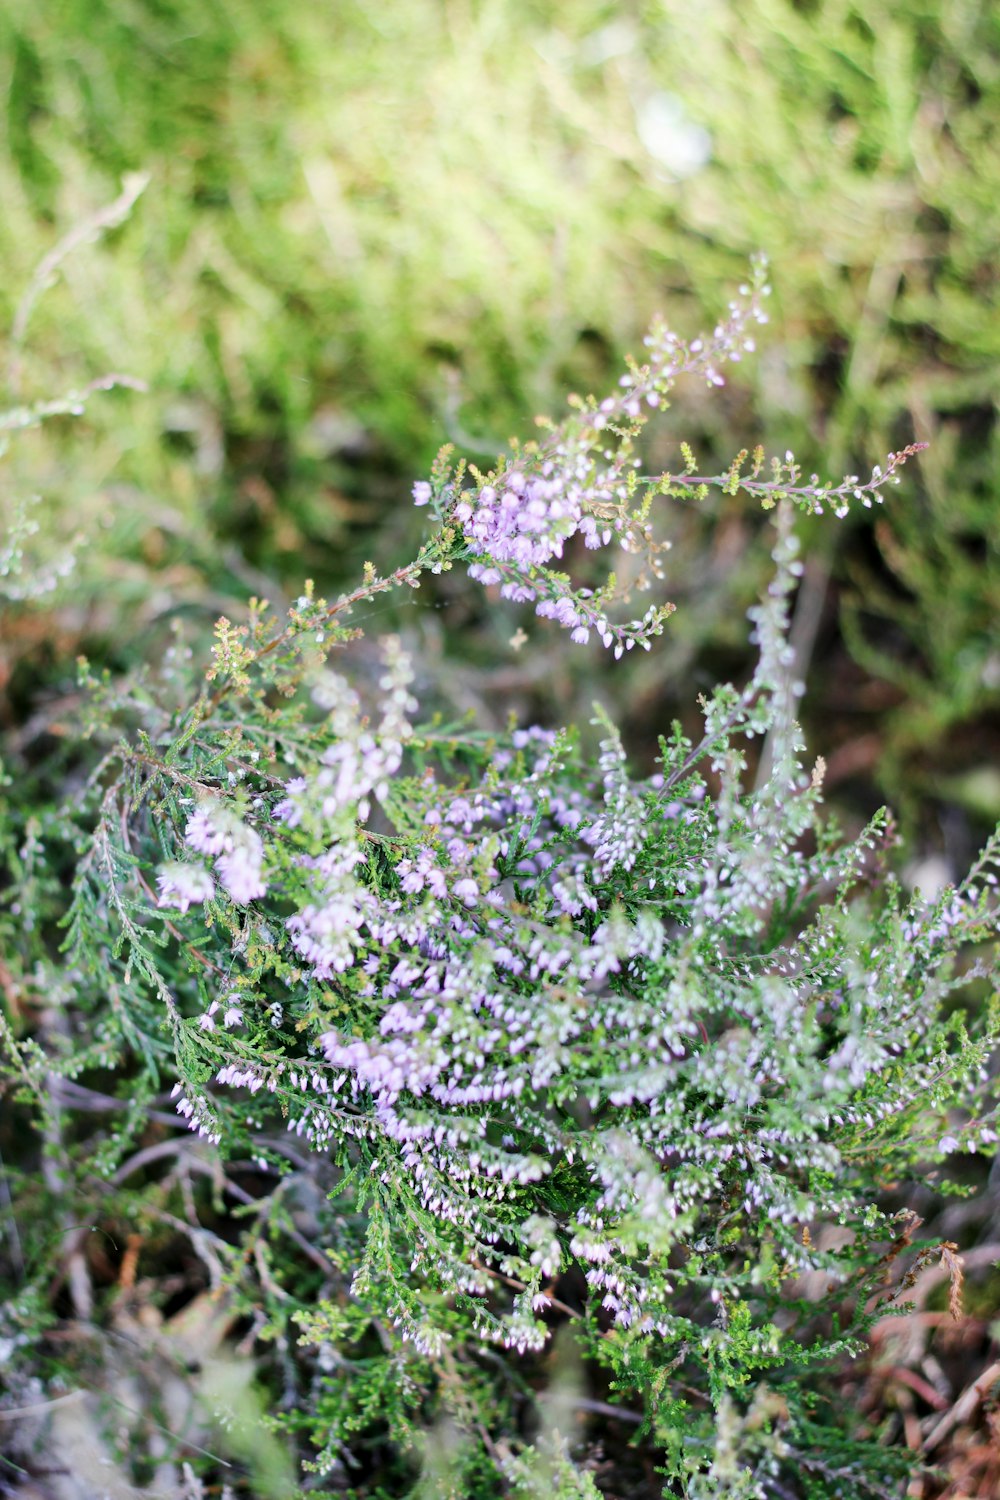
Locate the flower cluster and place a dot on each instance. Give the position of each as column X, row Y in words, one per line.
column 528, row 946
column 583, row 483
column 545, row 1017
column 217, row 830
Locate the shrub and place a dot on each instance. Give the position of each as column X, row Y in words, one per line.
column 564, row 1045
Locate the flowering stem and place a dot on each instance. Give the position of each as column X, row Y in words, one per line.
column 430, row 554
column 771, row 490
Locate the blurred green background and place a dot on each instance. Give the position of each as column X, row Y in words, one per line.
column 371, row 229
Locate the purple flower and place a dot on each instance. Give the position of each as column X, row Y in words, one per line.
column 467, row 891
column 216, row 829
column 205, row 830
column 183, row 884
column 240, row 871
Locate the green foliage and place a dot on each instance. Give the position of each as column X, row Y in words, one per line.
column 544, row 1043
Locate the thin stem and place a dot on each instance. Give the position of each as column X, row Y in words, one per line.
column 109, row 217
column 409, row 573
column 786, row 488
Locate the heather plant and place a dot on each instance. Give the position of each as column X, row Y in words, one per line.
column 555, row 1044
